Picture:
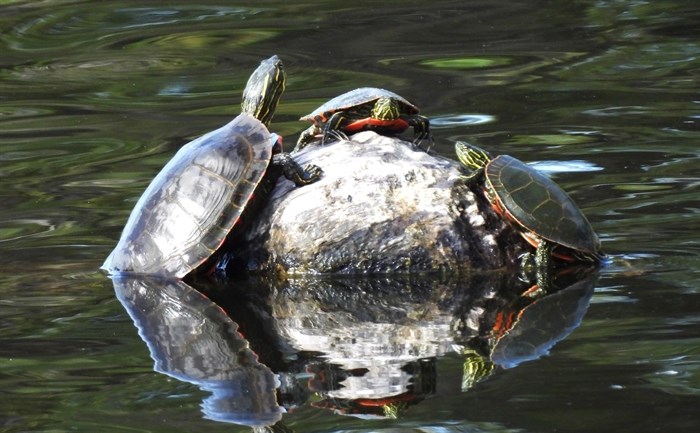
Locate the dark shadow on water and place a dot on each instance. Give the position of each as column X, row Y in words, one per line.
column 359, row 346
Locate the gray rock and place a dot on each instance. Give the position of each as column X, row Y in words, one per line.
column 382, row 206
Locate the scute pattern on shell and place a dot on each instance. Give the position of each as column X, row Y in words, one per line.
column 539, row 204
column 358, row 97
column 189, row 208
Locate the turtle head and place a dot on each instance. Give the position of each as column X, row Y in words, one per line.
column 263, row 91
column 471, row 156
column 476, row 368
column 386, row 108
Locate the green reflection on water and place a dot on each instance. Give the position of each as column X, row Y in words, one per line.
column 551, row 140
column 467, row 63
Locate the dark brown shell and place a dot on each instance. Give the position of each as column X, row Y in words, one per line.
column 539, row 205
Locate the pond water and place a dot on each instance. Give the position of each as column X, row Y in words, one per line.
column 604, row 95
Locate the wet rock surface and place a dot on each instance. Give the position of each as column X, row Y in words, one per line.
column 382, row 206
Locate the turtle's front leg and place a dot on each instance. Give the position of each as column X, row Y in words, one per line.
column 306, row 137
column 421, row 130
column 474, row 179
column 333, row 126
column 293, row 171
column 543, row 255
column 543, row 259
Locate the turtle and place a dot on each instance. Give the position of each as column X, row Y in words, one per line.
column 365, row 108
column 546, row 217
column 198, row 198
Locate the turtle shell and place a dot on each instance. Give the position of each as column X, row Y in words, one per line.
column 536, row 203
column 355, row 99
column 189, row 208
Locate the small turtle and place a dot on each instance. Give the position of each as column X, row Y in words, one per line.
column 546, row 216
column 366, row 108
column 197, row 199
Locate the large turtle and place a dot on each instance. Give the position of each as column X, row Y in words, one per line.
column 546, row 216
column 366, row 108
column 197, row 199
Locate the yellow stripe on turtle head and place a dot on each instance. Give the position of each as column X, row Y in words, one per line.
column 265, row 86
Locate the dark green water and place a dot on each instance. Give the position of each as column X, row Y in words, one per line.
column 96, row 96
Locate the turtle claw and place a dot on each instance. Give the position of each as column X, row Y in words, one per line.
column 312, row 173
column 333, row 128
column 418, row 141
column 527, row 266
column 337, row 134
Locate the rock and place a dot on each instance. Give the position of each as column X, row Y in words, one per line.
column 382, row 206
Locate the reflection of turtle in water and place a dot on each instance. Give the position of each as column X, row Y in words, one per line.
column 193, row 204
column 366, row 108
column 546, row 216
column 193, row 340
column 527, row 329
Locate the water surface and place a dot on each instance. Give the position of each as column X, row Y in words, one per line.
column 96, row 96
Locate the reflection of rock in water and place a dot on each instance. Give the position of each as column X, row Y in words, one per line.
column 378, row 338
column 364, row 346
column 377, row 335
column 193, row 340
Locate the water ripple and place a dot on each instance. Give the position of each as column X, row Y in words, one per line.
column 449, row 121
column 72, row 25
column 572, row 166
